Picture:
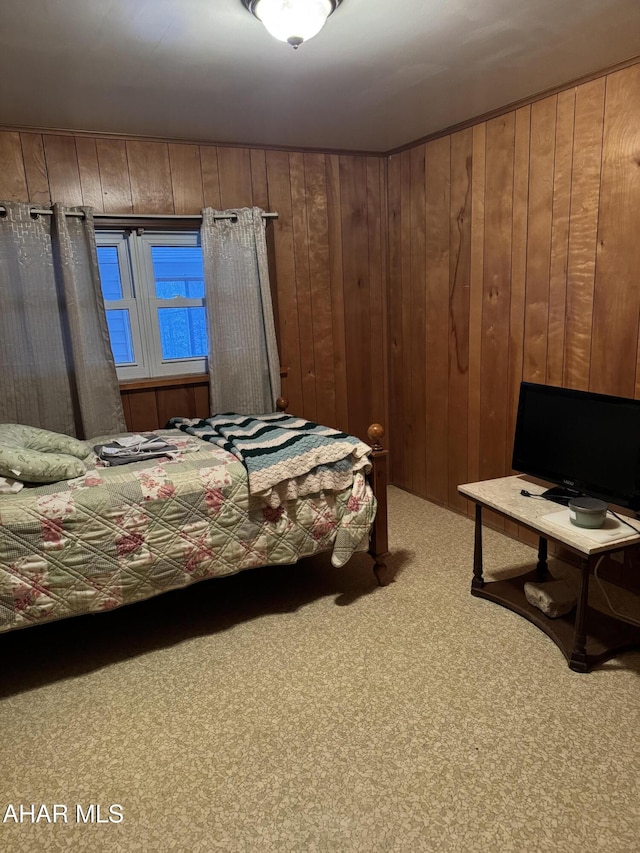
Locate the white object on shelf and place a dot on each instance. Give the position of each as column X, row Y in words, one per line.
column 611, row 530
column 555, row 598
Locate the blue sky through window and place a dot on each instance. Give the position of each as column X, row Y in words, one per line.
column 117, row 320
column 183, row 332
column 177, row 271
column 109, row 272
column 120, row 336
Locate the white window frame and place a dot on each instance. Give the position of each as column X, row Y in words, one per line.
column 118, row 239
column 139, row 298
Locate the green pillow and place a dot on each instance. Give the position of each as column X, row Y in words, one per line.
column 35, row 455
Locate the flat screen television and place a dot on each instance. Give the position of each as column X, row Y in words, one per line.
column 585, row 443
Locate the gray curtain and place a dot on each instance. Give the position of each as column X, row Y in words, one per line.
column 244, row 371
column 56, row 367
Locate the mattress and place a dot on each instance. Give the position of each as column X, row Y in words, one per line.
column 118, row 535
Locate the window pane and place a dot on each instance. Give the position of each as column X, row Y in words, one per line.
column 183, row 332
column 120, row 335
column 177, row 271
column 109, row 272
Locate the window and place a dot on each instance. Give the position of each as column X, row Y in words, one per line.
column 153, row 289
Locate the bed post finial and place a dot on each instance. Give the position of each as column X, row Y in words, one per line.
column 376, row 434
column 282, row 404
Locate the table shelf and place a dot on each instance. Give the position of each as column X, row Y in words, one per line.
column 586, row 636
column 605, row 636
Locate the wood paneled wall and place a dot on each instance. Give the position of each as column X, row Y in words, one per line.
column 149, row 407
column 328, row 247
column 514, row 253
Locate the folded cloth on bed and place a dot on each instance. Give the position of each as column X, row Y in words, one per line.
column 136, row 448
column 285, row 457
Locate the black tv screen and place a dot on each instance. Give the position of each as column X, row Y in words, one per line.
column 589, row 443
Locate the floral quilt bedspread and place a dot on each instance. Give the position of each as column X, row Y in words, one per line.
column 123, row 534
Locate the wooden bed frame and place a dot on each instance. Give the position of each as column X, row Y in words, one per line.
column 378, row 480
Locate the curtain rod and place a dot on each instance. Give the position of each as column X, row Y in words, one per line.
column 37, row 211
column 49, row 212
column 171, row 216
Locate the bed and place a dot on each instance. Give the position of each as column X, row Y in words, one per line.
column 117, row 535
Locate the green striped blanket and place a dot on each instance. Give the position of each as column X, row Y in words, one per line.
column 275, row 448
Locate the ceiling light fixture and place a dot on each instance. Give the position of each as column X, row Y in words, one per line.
column 293, row 21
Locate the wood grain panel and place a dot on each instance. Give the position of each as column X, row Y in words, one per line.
column 114, row 176
column 173, row 402
column 320, row 286
column 520, row 255
column 201, row 407
column 35, row 168
column 186, row 178
column 541, row 164
column 259, row 187
column 617, row 294
column 406, row 413
column 476, row 275
column 126, row 409
column 376, row 199
column 583, row 228
column 13, row 181
column 438, row 197
column 62, row 169
column 89, row 173
column 234, row 167
column 150, row 176
column 143, row 411
column 210, row 176
column 496, row 297
column 150, row 406
column 336, row 278
column 303, row 285
column 355, row 266
column 280, row 197
column 518, row 279
column 382, row 359
column 419, row 344
column 459, row 277
column 553, row 241
column 560, row 236
column 396, row 341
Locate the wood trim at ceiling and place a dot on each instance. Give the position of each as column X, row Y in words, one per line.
column 170, row 140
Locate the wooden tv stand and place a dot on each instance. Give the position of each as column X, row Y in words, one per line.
column 586, row 636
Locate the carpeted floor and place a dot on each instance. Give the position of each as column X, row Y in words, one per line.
column 305, row 709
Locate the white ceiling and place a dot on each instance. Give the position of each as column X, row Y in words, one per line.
column 381, row 74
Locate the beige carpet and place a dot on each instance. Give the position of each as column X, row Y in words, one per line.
column 305, row 709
